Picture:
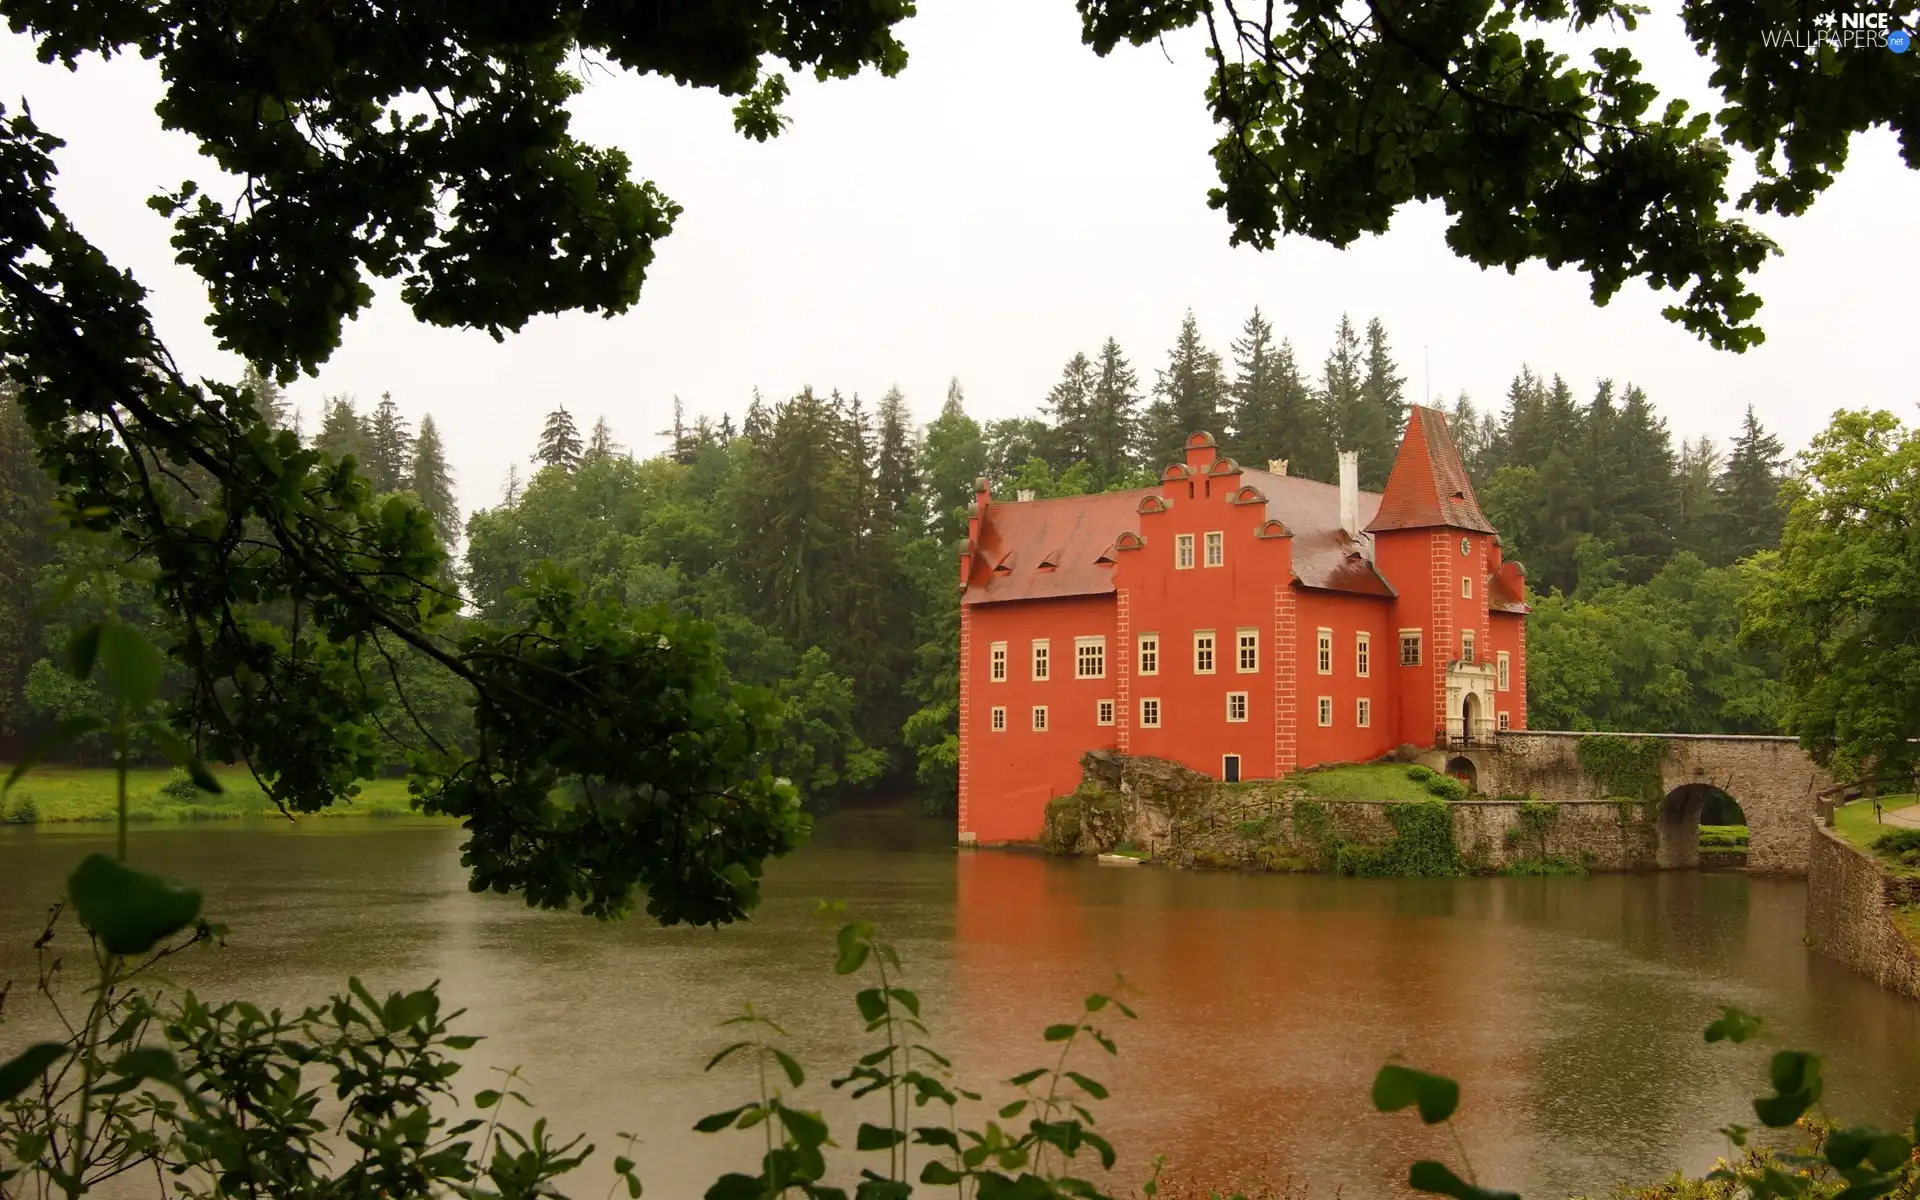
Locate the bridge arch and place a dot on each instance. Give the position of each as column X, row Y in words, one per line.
column 1773, row 781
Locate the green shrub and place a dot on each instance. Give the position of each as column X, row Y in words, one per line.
column 1446, row 787
column 1420, row 774
column 180, row 788
column 1544, row 865
column 23, row 811
column 1723, row 837
column 1901, row 845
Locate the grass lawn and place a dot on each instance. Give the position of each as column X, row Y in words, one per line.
column 53, row 795
column 1362, row 781
column 1855, row 823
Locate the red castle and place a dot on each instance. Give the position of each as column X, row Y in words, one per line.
column 1244, row 623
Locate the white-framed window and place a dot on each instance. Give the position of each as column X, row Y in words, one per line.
column 1409, row 647
column 1503, row 721
column 1216, row 549
column 1103, row 713
column 1183, row 551
column 997, row 663
column 1042, row 658
column 1323, row 656
column 1203, row 652
column 1090, row 658
column 1363, row 713
column 1150, row 713
column 1502, row 666
column 1466, row 645
column 1326, row 710
column 1236, row 706
column 998, row 723
column 1039, row 718
column 1363, row 654
column 1247, row 655
column 1149, row 654
column 1466, row 587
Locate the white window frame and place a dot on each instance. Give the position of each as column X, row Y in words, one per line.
column 1466, row 587
column 1149, row 654
column 1212, row 648
column 1103, row 711
column 1323, row 651
column 1080, row 646
column 997, row 719
column 1503, row 669
column 997, row 663
column 1183, row 552
column 1153, row 721
column 1325, row 712
column 1504, row 721
column 1469, row 643
column 1363, row 655
column 1042, row 659
column 1246, row 645
column 1039, row 718
column 1363, row 712
column 1216, row 549
column 1419, row 639
column 1242, row 698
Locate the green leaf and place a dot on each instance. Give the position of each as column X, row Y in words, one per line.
column 1010, row 1111
column 82, row 648
column 1396, row 1087
column 1793, row 1070
column 875, row 1187
column 872, row 1005
column 1847, row 1148
column 129, row 910
column 725, row 1053
column 1433, row 1177
column 1026, row 1077
column 133, row 662
column 806, row 1128
column 1060, row 1033
column 1868, row 1189
column 1778, row 1112
column 486, row 1099
column 936, row 1135
column 795, row 1075
column 1733, row 1025
column 62, row 733
column 1890, row 1151
column 25, row 1069
column 1092, row 1087
column 735, row 1186
column 939, row 1174
column 621, row 1165
column 855, row 940
column 1096, row 1002
column 878, row 1137
column 906, row 999
column 715, row 1122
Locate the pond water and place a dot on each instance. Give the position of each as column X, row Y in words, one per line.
column 1570, row 1009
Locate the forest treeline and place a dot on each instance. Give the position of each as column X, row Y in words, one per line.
column 819, row 535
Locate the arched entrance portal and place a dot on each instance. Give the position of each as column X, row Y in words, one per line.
column 1470, row 720
column 1462, row 768
column 1685, row 811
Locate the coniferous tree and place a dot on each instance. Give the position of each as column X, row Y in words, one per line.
column 1382, row 411
column 1012, row 444
column 430, row 479
column 559, row 441
column 1475, row 435
column 269, row 400
column 757, row 424
column 1274, row 413
column 1602, row 469
column 510, row 492
column 1190, row 396
column 1645, row 502
column 342, row 433
column 600, row 443
column 1069, row 406
column 1696, row 521
column 1113, row 424
column 898, row 477
column 389, row 446
column 680, row 446
column 1748, row 493
column 1343, row 402
column 953, row 456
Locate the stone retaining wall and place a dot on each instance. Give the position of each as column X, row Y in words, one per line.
column 1850, row 903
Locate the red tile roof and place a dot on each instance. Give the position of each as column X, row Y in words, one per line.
column 1506, row 591
column 1076, row 532
column 1428, row 486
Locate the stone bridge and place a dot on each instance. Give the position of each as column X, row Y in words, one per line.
column 1776, row 785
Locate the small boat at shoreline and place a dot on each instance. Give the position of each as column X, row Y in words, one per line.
column 1119, row 860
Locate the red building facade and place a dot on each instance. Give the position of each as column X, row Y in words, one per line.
column 1244, row 623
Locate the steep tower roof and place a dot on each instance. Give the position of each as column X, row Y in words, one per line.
column 1428, row 486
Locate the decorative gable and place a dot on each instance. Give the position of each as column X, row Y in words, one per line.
column 1249, row 495
column 1154, row 504
column 1129, row 541
column 1224, row 466
column 1175, row 471
column 1274, row 529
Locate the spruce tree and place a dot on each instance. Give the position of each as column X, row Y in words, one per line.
column 1113, row 423
column 1748, row 494
column 757, row 425
column 559, row 441
column 726, row 432
column 510, row 491
column 1190, row 396
column 1342, row 401
column 897, row 479
column 389, row 446
column 953, row 455
column 600, row 443
column 431, row 480
column 1645, row 503
column 1274, row 412
column 342, row 433
column 269, row 400
column 1382, row 410
column 1475, row 435
column 1697, row 521
column 1069, row 407
column 680, row 442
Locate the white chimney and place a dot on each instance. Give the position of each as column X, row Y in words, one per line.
column 1350, row 493
column 1276, row 466
column 1025, row 494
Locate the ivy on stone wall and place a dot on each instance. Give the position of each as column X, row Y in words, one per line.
column 1624, row 766
column 1422, row 845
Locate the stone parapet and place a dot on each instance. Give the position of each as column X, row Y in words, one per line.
column 1851, row 902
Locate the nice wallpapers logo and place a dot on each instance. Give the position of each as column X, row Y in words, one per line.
column 1845, row 31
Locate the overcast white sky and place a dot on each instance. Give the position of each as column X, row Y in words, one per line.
column 1008, row 200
